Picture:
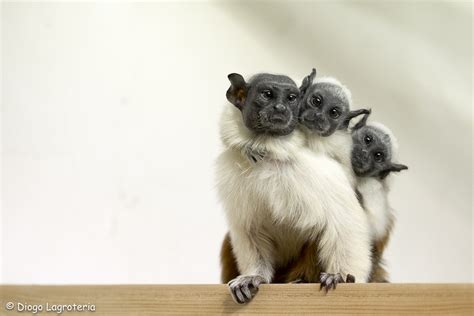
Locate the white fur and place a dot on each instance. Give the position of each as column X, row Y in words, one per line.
column 345, row 91
column 293, row 195
column 337, row 146
column 379, row 213
column 375, row 191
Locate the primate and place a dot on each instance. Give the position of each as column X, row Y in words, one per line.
column 374, row 151
column 325, row 114
column 291, row 200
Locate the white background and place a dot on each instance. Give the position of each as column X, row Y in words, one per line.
column 109, row 128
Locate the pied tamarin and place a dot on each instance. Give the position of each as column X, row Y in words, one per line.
column 373, row 157
column 291, row 200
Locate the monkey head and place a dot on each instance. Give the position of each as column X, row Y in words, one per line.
column 373, row 150
column 269, row 103
column 325, row 105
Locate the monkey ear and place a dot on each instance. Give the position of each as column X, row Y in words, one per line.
column 394, row 167
column 397, row 167
column 307, row 82
column 352, row 114
column 363, row 121
column 237, row 91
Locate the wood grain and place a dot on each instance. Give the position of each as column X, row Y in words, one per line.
column 282, row 299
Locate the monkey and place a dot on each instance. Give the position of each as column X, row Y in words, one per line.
column 325, row 114
column 324, row 117
column 373, row 151
column 288, row 200
column 373, row 154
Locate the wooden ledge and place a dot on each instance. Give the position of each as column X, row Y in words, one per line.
column 283, row 299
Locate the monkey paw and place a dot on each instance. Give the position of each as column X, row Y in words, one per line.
column 255, row 155
column 330, row 280
column 244, row 287
column 350, row 278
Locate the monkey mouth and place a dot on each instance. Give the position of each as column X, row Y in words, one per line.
column 360, row 169
column 315, row 124
column 317, row 127
column 279, row 124
column 360, row 172
column 279, row 119
column 323, row 131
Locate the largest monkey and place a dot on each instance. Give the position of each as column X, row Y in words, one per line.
column 291, row 199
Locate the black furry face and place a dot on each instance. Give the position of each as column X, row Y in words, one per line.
column 371, row 152
column 270, row 104
column 324, row 108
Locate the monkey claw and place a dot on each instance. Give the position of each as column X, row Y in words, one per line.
column 330, row 280
column 245, row 287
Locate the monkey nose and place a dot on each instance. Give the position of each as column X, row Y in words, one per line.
column 279, row 107
column 310, row 117
column 320, row 117
column 364, row 155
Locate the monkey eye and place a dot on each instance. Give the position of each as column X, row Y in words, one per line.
column 334, row 113
column 317, row 100
column 292, row 97
column 368, row 139
column 379, row 156
column 267, row 94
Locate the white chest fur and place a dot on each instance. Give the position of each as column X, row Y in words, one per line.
column 375, row 199
column 289, row 197
column 338, row 146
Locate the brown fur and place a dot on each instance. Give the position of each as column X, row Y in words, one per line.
column 378, row 273
column 306, row 268
column 229, row 270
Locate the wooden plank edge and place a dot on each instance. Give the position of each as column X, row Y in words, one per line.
column 282, row 299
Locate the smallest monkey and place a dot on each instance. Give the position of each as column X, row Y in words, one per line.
column 373, row 153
